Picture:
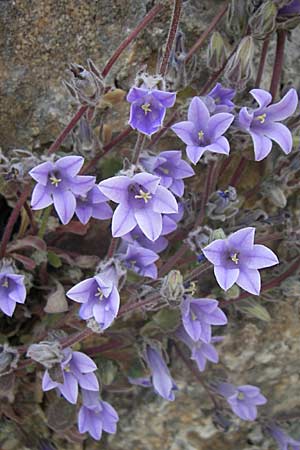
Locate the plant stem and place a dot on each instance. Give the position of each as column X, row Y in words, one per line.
column 138, row 148
column 147, row 19
column 206, row 33
column 238, row 172
column 173, row 260
column 171, row 36
column 13, row 218
column 112, row 247
column 278, row 63
column 44, row 223
column 263, row 57
column 206, row 193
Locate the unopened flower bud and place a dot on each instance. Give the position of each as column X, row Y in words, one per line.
column 274, row 193
column 8, row 359
column 263, row 21
column 239, row 68
column 217, row 234
column 223, row 205
column 237, row 18
column 172, row 289
column 46, row 353
column 198, row 238
column 216, row 52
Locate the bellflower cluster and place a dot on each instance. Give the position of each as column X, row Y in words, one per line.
column 263, row 124
column 237, row 260
column 99, row 297
column 58, row 183
column 96, row 416
column 141, row 260
column 148, row 108
column 142, row 201
column 12, row 290
column 92, row 204
column 202, row 132
column 284, row 441
column 171, row 169
column 242, row 399
column 76, row 368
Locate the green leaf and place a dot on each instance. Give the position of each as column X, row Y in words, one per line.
column 111, row 166
column 255, row 309
column 54, row 260
column 167, row 319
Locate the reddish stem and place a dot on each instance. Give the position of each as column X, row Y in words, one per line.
column 234, row 181
column 171, row 36
column 278, row 63
column 147, row 19
column 263, row 57
column 13, row 218
column 206, row 33
column 173, row 260
column 206, row 193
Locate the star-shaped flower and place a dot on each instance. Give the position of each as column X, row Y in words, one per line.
column 141, row 260
column 142, row 201
column 148, row 108
column 202, row 132
column 100, row 299
column 221, row 99
column 237, row 260
column 92, row 204
column 263, row 124
column 12, row 291
column 59, row 184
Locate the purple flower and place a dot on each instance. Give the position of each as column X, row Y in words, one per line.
column 170, row 168
column 141, row 260
column 237, row 260
column 148, row 108
column 100, row 299
column 242, row 399
column 136, row 235
column 59, row 184
column 290, row 9
column 92, row 204
column 198, row 314
column 76, row 368
column 201, row 351
column 142, row 201
column 12, row 291
column 284, row 441
column 161, row 379
column 263, row 124
column 203, row 133
column 95, row 415
column 218, row 100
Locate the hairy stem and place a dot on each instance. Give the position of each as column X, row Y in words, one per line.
column 263, row 57
column 171, row 36
column 236, row 176
column 278, row 63
column 139, row 145
column 13, row 218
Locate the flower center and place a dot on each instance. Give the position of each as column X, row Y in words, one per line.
column 54, row 180
column 5, row 283
column 262, row 118
column 241, row 396
column 234, row 257
column 146, row 196
column 131, row 264
column 191, row 290
column 99, row 294
column 165, row 171
column 200, row 135
column 67, row 368
column 193, row 315
column 146, row 108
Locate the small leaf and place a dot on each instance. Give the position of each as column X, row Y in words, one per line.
column 54, row 260
column 254, row 309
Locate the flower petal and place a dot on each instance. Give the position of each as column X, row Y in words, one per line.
column 215, row 251
column 81, row 291
column 83, row 363
column 88, row 381
column 150, row 223
column 262, row 145
column 262, row 97
column 194, row 153
column 123, row 220
column 116, row 188
column 242, row 239
column 285, row 108
column 280, row 134
column 64, row 204
column 226, row 277
column 245, row 119
column 40, row 198
column 186, row 132
column 260, row 257
column 135, row 94
column 218, row 124
column 221, row 145
column 71, row 165
column 167, row 99
column 147, row 180
column 70, row 388
column 198, row 113
column 164, row 201
column 249, row 280
column 41, row 172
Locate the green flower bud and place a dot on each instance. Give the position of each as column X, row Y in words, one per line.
column 263, row 21
column 239, row 68
column 216, row 52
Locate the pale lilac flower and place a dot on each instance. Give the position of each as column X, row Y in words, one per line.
column 142, row 201
column 100, row 299
column 202, row 132
column 218, row 100
column 92, row 204
column 59, row 184
column 242, row 399
column 148, row 108
column 198, row 315
column 136, row 235
column 171, row 169
column 141, row 260
column 293, row 7
column 263, row 125
column 96, row 416
column 12, row 291
column 237, row 260
column 76, row 368
column 160, row 376
column 284, row 441
column 201, row 352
